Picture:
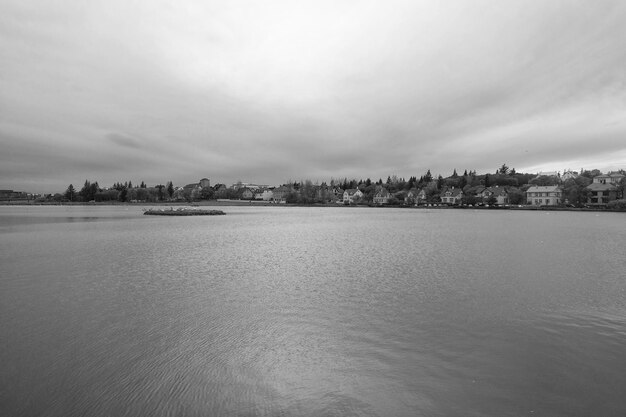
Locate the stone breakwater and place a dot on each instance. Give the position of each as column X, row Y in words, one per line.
column 183, row 211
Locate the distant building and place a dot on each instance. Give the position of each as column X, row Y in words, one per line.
column 246, row 193
column 238, row 185
column 451, row 196
column 13, row 195
column 279, row 194
column 412, row 196
column 547, row 174
column 498, row 193
column 544, row 195
column 568, row 175
column 422, row 196
column 205, row 182
column 604, row 188
column 352, row 194
column 381, row 196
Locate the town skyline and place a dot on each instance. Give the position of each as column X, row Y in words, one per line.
column 336, row 180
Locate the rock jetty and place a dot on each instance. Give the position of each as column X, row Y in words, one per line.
column 183, row 211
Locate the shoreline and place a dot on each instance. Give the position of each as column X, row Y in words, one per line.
column 238, row 203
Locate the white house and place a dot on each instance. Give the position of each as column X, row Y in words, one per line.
column 382, row 196
column 352, row 194
column 452, row 196
column 544, row 195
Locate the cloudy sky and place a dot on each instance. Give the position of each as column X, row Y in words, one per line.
column 268, row 91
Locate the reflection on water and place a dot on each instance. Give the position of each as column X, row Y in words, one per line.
column 312, row 312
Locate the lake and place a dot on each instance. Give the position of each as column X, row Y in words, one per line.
column 292, row 311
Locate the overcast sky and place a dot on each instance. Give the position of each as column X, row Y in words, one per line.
column 268, row 91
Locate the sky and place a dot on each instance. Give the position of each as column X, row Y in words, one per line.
column 273, row 91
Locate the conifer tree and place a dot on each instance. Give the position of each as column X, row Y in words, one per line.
column 70, row 193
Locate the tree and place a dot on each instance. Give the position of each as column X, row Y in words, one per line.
column 122, row 194
column 160, row 188
column 207, row 193
column 621, row 188
column 462, row 182
column 515, row 196
column 469, row 199
column 170, row 189
column 89, row 191
column 504, row 170
column 84, row 192
column 70, row 193
column 487, row 181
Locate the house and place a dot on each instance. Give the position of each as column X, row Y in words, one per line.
column 500, row 195
column 246, row 193
column 544, row 195
column 350, row 195
column 325, row 194
column 604, row 188
column 411, row 196
column 421, row 196
column 547, row 174
column 567, row 175
column 381, row 196
column 191, row 187
column 451, row 195
column 279, row 195
column 13, row 195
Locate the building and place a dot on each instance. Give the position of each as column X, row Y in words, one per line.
column 547, row 174
column 605, row 188
column 500, row 195
column 451, row 196
column 279, row 195
column 13, row 195
column 205, row 182
column 349, row 196
column 567, row 175
column 381, row 196
column 544, row 195
column 421, row 197
column 411, row 197
column 246, row 193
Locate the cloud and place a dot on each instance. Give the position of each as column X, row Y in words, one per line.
column 266, row 92
column 122, row 140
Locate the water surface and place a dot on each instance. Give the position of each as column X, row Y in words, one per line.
column 273, row 311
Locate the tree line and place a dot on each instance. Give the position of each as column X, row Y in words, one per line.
column 307, row 192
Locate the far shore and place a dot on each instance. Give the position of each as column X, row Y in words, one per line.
column 253, row 203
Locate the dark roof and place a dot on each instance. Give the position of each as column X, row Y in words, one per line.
column 598, row 186
column 496, row 191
